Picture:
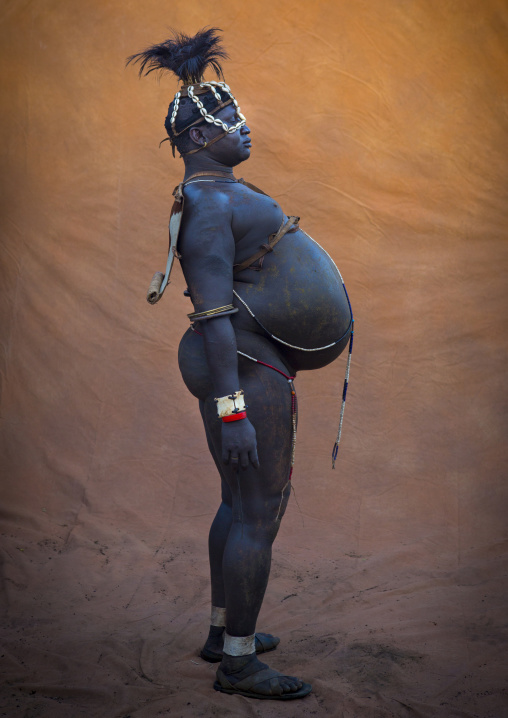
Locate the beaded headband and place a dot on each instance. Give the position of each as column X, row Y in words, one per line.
column 194, row 95
column 193, row 91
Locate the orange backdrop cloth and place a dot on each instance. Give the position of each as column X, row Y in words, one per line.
column 384, row 125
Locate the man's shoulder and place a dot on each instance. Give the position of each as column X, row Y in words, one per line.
column 205, row 208
column 213, row 194
column 208, row 210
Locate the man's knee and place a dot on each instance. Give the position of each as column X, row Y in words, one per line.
column 263, row 518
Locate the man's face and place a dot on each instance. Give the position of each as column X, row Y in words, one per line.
column 233, row 148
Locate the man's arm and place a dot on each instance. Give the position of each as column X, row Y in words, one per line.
column 207, row 247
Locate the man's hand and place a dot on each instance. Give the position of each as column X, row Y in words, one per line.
column 239, row 443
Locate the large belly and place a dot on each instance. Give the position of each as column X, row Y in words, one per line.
column 298, row 296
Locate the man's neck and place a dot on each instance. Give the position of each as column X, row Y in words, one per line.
column 204, row 164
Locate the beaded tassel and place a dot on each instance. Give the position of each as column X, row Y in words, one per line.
column 343, row 405
column 335, row 450
column 294, row 405
column 294, row 422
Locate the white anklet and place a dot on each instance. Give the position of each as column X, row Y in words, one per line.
column 218, row 616
column 239, row 645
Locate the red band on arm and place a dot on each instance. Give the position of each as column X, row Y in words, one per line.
column 235, row 417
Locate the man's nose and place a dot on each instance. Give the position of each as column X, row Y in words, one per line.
column 245, row 130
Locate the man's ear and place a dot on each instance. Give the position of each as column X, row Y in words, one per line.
column 197, row 136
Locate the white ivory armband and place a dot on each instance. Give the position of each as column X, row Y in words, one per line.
column 218, row 617
column 231, row 404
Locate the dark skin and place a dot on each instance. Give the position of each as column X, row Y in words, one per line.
column 223, row 224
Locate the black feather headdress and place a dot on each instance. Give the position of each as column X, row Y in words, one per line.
column 186, row 57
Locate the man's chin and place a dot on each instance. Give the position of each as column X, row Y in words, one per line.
column 241, row 157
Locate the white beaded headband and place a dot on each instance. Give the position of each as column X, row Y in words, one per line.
column 212, row 85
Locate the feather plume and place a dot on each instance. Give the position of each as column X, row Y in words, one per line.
column 186, row 57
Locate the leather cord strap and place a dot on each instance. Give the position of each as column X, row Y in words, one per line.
column 197, row 90
column 202, row 147
column 291, row 225
column 199, row 121
column 252, row 187
column 212, row 173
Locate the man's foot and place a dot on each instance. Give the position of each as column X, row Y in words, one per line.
column 212, row 650
column 247, row 676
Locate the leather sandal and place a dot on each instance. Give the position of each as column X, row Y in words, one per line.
column 244, row 686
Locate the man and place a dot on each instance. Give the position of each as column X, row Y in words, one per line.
column 268, row 301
